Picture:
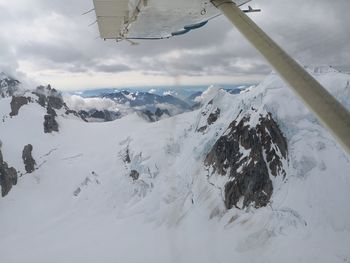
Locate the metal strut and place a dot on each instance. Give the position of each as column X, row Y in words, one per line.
column 328, row 110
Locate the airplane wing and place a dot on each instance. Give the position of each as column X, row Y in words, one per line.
column 151, row 19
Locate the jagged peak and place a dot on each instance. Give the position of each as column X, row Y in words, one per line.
column 251, row 152
column 209, row 94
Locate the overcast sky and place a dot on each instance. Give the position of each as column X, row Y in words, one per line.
column 50, row 42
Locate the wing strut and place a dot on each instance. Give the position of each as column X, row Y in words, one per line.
column 328, row 110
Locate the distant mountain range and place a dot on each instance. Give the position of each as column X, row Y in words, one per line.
column 140, row 99
column 181, row 92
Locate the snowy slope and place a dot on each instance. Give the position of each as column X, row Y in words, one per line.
column 81, row 205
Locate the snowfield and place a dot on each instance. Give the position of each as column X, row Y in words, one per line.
column 81, row 205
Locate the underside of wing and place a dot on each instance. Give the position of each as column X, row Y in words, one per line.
column 152, row 19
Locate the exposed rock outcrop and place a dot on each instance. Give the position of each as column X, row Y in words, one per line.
column 159, row 112
column 126, row 156
column 48, row 96
column 209, row 115
column 50, row 124
column 51, row 111
column 134, row 175
column 214, row 116
column 248, row 153
column 55, row 100
column 8, row 176
column 99, row 115
column 76, row 114
column 17, row 103
column 52, row 100
column 28, row 160
column 156, row 116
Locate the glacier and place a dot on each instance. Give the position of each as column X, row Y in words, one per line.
column 81, row 204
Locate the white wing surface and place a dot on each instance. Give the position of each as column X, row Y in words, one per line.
column 152, row 19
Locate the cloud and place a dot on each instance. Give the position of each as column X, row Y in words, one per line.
column 152, row 91
column 78, row 103
column 8, row 61
column 111, row 68
column 51, row 41
column 208, row 94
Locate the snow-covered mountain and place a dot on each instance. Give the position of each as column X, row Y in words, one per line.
column 149, row 104
column 135, row 99
column 248, row 178
column 117, row 104
column 191, row 100
column 8, row 85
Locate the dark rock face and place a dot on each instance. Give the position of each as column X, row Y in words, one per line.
column 214, row 116
column 52, row 100
column 51, row 111
column 159, row 113
column 55, row 101
column 134, row 175
column 272, row 136
column 48, row 96
column 50, row 124
column 29, row 162
column 148, row 115
column 202, row 129
column 84, row 114
column 209, row 116
column 17, row 103
column 41, row 97
column 8, row 176
column 104, row 115
column 126, row 157
column 76, row 114
column 156, row 116
column 98, row 114
column 240, row 154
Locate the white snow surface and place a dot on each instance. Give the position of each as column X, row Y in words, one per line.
column 82, row 206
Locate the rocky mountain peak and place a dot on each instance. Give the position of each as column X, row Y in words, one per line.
column 50, row 97
column 252, row 150
column 8, row 85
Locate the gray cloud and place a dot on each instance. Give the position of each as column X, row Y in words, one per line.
column 111, row 68
column 52, row 35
